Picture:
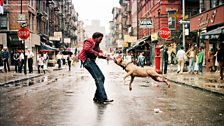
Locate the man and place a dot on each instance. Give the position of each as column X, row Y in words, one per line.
column 5, row 59
column 88, row 55
column 21, row 61
column 181, row 59
column 200, row 59
column 166, row 56
column 191, row 55
column 30, row 56
column 141, row 60
column 220, row 59
column 16, row 59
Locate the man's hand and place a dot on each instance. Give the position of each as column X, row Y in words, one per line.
column 100, row 55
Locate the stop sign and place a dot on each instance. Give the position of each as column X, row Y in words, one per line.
column 23, row 33
column 164, row 32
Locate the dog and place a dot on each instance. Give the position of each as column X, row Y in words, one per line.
column 135, row 71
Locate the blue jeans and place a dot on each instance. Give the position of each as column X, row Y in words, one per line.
column 99, row 78
column 191, row 64
column 200, row 67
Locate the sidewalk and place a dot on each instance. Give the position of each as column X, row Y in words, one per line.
column 12, row 77
column 208, row 81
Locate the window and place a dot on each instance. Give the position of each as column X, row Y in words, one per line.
column 3, row 22
column 172, row 19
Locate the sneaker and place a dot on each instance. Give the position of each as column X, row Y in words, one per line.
column 108, row 100
column 95, row 100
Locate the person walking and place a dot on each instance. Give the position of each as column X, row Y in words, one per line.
column 58, row 57
column 16, row 60
column 220, row 59
column 30, row 56
column 165, row 57
column 181, row 60
column 5, row 59
column 200, row 60
column 88, row 55
column 69, row 60
column 141, row 60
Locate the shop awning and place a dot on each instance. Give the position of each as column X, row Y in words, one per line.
column 213, row 34
column 47, row 48
column 139, row 43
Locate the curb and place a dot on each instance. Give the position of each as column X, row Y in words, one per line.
column 196, row 87
column 18, row 80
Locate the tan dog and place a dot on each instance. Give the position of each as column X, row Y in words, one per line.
column 135, row 71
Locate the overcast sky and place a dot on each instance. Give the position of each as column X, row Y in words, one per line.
column 96, row 9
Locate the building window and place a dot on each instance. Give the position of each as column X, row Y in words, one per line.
column 172, row 19
column 214, row 3
column 3, row 22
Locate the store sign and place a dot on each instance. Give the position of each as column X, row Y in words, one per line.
column 145, row 23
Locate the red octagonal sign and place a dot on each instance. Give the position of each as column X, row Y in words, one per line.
column 24, row 33
column 164, row 32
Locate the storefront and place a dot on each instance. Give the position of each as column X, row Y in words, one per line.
column 203, row 24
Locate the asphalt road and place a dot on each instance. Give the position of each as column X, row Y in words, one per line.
column 64, row 98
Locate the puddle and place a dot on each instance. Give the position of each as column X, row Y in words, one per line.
column 215, row 86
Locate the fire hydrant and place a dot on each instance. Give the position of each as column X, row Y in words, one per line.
column 157, row 59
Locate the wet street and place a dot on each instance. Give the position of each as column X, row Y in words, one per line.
column 65, row 99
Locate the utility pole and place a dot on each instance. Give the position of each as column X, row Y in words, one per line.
column 183, row 25
column 23, row 41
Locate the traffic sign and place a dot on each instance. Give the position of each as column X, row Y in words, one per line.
column 23, row 33
column 164, row 32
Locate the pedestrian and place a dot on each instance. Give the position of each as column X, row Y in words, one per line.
column 88, row 55
column 69, row 60
column 181, row 56
column 128, row 57
column 30, row 56
column 21, row 60
column 46, row 59
column 196, row 63
column 40, row 63
column 58, row 57
column 165, row 57
column 211, row 60
column 5, row 59
column 200, row 60
column 220, row 59
column 16, row 60
column 172, row 57
column 191, row 56
column 216, row 61
column 141, row 59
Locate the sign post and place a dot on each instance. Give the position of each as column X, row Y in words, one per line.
column 164, row 34
column 23, row 34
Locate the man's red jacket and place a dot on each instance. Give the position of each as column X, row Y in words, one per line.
column 88, row 46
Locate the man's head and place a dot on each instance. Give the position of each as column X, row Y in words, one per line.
column 97, row 36
column 4, row 48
